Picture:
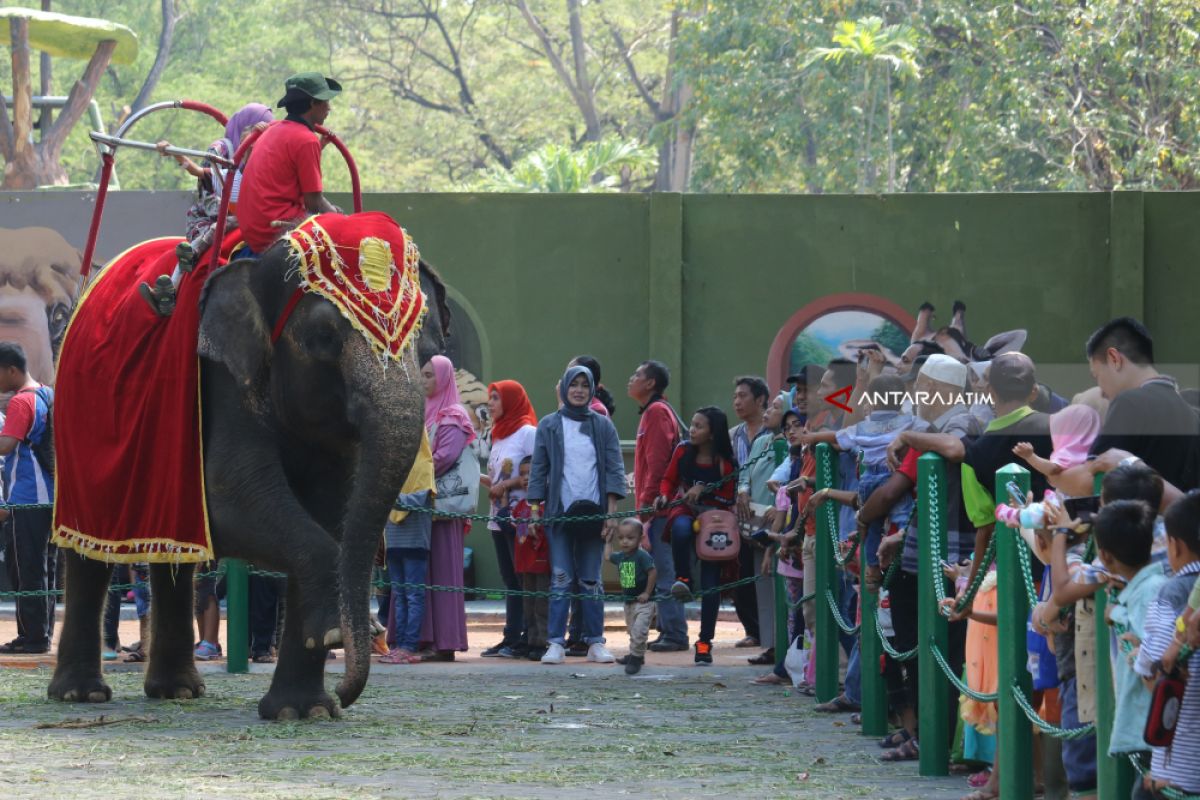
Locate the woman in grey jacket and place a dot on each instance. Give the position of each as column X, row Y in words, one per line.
column 577, row 471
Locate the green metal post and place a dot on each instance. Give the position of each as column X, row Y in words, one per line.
column 1114, row 776
column 933, row 713
column 1015, row 746
column 782, row 612
column 827, row 631
column 237, row 615
column 870, row 653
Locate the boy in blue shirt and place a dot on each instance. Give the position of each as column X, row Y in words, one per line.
column 1124, row 534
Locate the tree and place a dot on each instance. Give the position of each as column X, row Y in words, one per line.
column 872, row 47
column 559, row 168
column 30, row 164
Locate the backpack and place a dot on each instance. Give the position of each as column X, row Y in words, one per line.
column 43, row 448
column 717, row 536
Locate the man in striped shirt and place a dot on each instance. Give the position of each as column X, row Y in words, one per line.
column 28, row 558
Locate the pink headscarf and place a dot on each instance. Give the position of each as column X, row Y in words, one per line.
column 445, row 407
column 1072, row 431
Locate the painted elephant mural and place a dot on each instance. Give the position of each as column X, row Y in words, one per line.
column 39, row 284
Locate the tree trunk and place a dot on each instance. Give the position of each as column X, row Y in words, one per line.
column 675, row 153
column 21, row 171
column 166, row 37
column 44, row 76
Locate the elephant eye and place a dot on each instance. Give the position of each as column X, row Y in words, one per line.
column 57, row 316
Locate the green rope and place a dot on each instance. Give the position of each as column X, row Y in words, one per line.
column 1169, row 792
column 1023, row 555
column 709, row 488
column 805, row 599
column 847, row 628
column 1045, row 727
column 964, row 602
column 907, row 655
column 958, row 682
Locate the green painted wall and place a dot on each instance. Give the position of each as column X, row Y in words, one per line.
column 704, row 282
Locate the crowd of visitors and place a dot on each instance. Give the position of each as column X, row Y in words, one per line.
column 701, row 483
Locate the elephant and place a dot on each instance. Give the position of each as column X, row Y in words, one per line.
column 306, row 441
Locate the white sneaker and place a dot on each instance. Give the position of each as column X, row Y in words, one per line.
column 599, row 654
column 554, row 654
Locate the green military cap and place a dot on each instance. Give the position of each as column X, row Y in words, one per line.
column 310, row 84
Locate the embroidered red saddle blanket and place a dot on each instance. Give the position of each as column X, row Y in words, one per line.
column 129, row 469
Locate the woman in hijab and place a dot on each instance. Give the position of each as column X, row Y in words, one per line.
column 514, row 425
column 450, row 435
column 577, row 471
column 202, row 215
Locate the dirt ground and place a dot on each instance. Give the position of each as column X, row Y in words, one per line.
column 476, row 728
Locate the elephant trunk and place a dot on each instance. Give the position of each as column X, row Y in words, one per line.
column 385, row 456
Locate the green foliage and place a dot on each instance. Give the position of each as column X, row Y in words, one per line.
column 807, row 349
column 821, row 96
column 595, row 167
column 1011, row 97
column 891, row 337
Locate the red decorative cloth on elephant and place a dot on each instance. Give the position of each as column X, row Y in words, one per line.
column 127, row 417
column 128, row 461
column 369, row 268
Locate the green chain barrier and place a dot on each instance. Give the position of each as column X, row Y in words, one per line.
column 1023, row 556
column 826, row 635
column 1046, row 727
column 1014, row 746
column 940, row 659
column 933, row 711
column 1169, row 792
column 907, row 655
column 836, row 613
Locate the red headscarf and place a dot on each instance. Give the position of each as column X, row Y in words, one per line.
column 517, row 410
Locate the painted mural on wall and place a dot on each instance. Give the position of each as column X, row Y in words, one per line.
column 842, row 334
column 39, row 285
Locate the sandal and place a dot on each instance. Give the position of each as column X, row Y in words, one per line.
column 837, row 705
column 895, row 739
column 979, row 779
column 856, row 719
column 981, row 794
column 909, row 751
column 134, row 657
column 770, row 679
column 399, row 656
column 763, row 658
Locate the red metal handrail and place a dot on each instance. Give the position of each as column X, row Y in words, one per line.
column 107, row 156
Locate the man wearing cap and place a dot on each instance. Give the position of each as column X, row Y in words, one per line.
column 282, row 182
column 938, row 388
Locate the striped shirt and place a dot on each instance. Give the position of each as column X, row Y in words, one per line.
column 1158, row 633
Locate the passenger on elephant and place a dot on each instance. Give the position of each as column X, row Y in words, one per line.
column 577, row 467
column 202, row 214
column 282, row 184
column 448, row 424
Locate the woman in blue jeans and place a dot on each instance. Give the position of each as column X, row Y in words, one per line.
column 577, row 470
column 705, row 458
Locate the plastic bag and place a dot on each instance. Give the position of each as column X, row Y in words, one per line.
column 796, row 661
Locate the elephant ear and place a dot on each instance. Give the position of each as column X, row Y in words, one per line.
column 233, row 327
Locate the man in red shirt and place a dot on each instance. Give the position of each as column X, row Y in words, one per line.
column 658, row 433
column 281, row 185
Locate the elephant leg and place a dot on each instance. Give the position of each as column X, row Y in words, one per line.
column 77, row 674
column 298, row 686
column 171, row 669
column 282, row 536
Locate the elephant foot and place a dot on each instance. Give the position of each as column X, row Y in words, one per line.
column 71, row 686
column 183, row 683
column 284, row 706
